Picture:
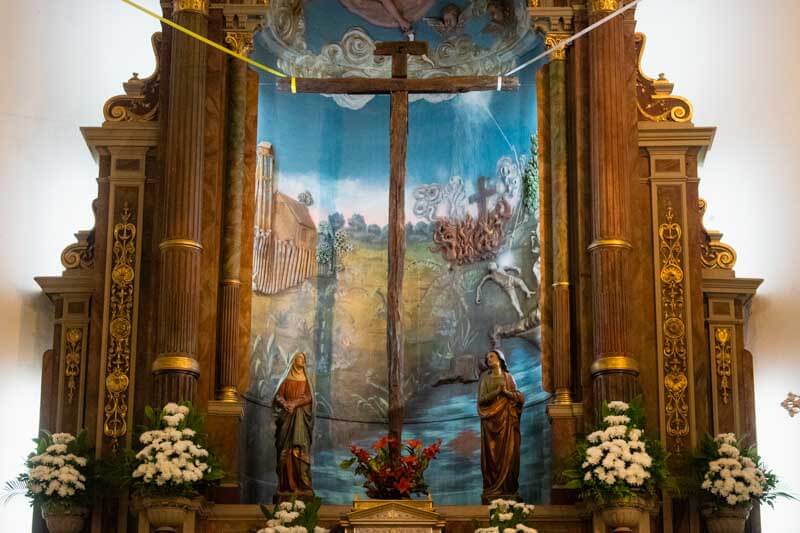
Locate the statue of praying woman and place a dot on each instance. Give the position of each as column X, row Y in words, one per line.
column 499, row 406
column 293, row 407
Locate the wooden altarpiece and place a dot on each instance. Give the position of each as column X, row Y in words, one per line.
column 637, row 296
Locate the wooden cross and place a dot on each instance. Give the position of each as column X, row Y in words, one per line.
column 399, row 86
column 481, row 197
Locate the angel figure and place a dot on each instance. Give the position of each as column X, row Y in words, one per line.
column 390, row 13
column 508, row 282
column 453, row 21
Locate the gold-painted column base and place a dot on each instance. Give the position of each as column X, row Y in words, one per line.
column 615, row 363
column 226, row 408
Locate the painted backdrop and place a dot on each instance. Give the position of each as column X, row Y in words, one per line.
column 321, row 256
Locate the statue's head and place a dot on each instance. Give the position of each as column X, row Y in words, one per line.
column 495, row 359
column 299, row 361
column 492, row 267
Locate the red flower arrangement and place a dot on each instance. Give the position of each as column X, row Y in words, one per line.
column 396, row 469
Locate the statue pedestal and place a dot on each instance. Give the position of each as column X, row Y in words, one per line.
column 392, row 516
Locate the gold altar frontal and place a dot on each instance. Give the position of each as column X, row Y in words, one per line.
column 409, row 515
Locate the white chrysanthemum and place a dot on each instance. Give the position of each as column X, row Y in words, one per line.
column 618, row 406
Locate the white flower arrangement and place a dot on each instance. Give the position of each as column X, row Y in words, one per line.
column 616, row 461
column 732, row 476
column 173, row 461
column 57, row 471
column 293, row 517
column 508, row 516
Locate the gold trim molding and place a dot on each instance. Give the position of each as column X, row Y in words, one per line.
column 140, row 101
column 674, row 351
column 723, row 362
column 610, row 243
column 615, row 363
column 120, row 328
column 714, row 253
column 654, row 98
column 195, row 6
column 176, row 363
column 180, row 243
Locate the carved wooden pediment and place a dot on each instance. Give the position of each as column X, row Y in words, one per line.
column 392, row 515
column 654, row 97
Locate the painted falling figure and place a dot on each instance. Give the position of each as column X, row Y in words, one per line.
column 508, row 282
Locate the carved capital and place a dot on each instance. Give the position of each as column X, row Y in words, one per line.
column 554, row 40
column 140, row 101
column 196, row 6
column 239, row 42
column 654, row 97
column 604, row 6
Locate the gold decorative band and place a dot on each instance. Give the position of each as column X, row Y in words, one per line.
column 228, row 394
column 610, row 243
column 235, row 282
column 604, row 6
column 615, row 363
column 176, row 362
column 180, row 243
column 561, row 284
column 197, row 6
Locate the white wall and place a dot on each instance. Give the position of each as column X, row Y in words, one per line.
column 60, row 60
column 733, row 58
column 736, row 60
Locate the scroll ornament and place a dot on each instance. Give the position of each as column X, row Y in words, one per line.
column 72, row 361
column 140, row 101
column 654, row 97
column 714, row 253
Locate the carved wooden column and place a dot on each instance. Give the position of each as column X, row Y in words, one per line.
column 615, row 369
column 176, row 369
column 230, row 279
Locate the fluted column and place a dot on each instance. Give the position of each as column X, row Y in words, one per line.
column 615, row 369
column 176, row 368
column 230, row 282
column 562, row 366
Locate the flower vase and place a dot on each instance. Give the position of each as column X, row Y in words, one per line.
column 726, row 519
column 166, row 515
column 64, row 520
column 624, row 515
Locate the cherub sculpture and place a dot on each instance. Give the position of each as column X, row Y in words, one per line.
column 508, row 282
column 452, row 22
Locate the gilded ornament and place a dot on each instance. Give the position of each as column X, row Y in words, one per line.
column 610, row 243
column 118, row 358
column 176, row 362
column 654, row 98
column 722, row 357
column 675, row 356
column 554, row 41
column 604, row 6
column 196, row 6
column 615, row 363
column 240, row 42
column 140, row 101
column 72, row 360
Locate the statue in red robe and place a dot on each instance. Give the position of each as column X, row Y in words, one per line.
column 293, row 406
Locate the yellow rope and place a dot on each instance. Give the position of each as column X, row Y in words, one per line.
column 209, row 42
